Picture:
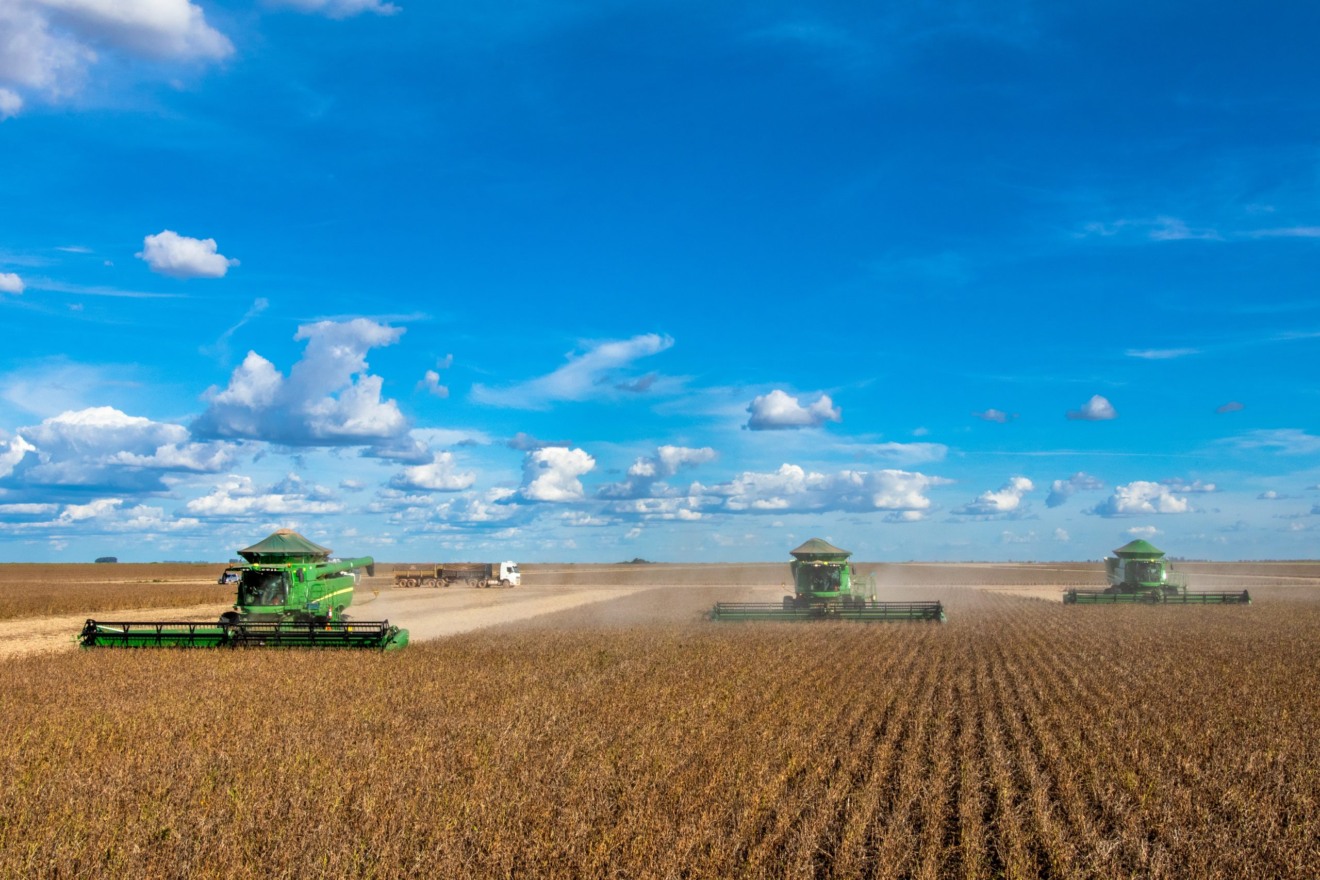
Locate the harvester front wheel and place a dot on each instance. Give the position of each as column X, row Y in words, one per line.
column 229, row 618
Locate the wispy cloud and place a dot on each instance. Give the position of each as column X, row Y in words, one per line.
column 1285, row 441
column 1160, row 354
column 893, row 453
column 337, row 8
column 95, row 290
column 49, row 387
column 1160, row 228
column 596, row 372
column 1286, row 232
column 220, row 348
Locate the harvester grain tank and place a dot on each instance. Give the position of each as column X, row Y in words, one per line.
column 825, row 587
column 1138, row 573
column 290, row 593
column 447, row 574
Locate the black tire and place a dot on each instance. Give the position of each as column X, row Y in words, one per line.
column 229, row 618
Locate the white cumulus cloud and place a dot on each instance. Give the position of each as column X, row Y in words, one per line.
column 645, row 477
column 1141, row 497
column 552, row 474
column 48, row 46
column 1005, row 500
column 238, row 496
column 9, row 281
column 10, row 103
column 179, row 256
column 792, row 488
column 327, row 399
column 441, row 474
column 1097, row 409
column 103, row 447
column 431, row 384
column 779, row 410
column 14, row 452
column 1062, row 490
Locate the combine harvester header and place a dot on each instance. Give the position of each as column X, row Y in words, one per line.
column 1139, row 574
column 825, row 587
column 291, row 594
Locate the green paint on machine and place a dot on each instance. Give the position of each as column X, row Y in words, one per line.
column 1138, row 574
column 825, row 587
column 289, row 594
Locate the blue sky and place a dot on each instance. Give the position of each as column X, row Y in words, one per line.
column 588, row 281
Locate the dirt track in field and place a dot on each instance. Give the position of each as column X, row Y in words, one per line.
column 46, row 634
column 610, row 596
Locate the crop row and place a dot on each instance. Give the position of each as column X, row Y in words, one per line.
column 1021, row 739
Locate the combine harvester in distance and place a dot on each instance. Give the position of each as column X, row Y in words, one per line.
column 825, row 587
column 1139, row 573
column 291, row 594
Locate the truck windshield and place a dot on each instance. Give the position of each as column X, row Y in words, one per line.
column 263, row 588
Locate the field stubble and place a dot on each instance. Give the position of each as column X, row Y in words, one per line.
column 1021, row 739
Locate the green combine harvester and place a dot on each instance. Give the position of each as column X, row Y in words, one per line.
column 825, row 587
column 1139, row 574
column 291, row 594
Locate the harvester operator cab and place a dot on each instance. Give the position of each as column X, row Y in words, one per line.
column 263, row 588
column 1139, row 572
column 822, row 579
